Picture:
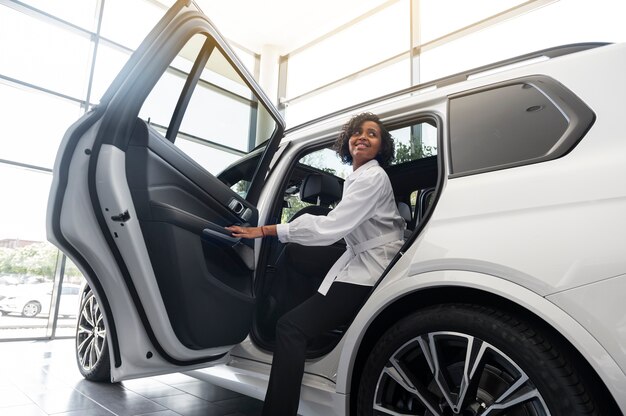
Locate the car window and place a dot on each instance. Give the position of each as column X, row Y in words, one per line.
column 413, row 142
column 514, row 124
column 322, row 161
column 221, row 120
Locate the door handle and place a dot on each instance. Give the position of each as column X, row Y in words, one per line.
column 213, row 230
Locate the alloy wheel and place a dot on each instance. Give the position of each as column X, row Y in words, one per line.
column 90, row 334
column 449, row 373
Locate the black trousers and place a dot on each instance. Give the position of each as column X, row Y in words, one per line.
column 315, row 316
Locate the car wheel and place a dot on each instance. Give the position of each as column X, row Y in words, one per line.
column 470, row 360
column 92, row 350
column 31, row 309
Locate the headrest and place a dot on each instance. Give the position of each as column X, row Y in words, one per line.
column 324, row 188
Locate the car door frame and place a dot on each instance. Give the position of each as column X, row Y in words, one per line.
column 116, row 115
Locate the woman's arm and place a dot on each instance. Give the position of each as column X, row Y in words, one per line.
column 356, row 207
column 252, row 232
column 359, row 203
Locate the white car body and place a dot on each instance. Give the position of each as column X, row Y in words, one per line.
column 547, row 237
column 566, row 259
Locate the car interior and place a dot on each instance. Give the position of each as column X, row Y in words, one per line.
column 293, row 272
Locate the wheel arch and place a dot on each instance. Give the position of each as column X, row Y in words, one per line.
column 412, row 300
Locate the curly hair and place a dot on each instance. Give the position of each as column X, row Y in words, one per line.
column 386, row 153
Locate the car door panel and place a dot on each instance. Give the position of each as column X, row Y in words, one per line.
column 149, row 145
column 200, row 277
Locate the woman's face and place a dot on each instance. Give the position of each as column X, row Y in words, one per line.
column 364, row 143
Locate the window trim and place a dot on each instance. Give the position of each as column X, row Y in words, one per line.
column 580, row 116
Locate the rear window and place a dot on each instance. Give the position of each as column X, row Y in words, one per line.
column 517, row 123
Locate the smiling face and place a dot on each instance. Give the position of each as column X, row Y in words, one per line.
column 364, row 143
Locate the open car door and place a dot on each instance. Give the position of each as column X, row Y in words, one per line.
column 136, row 203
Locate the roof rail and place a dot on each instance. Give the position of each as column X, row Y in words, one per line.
column 461, row 76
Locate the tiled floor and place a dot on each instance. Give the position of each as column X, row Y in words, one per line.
column 39, row 378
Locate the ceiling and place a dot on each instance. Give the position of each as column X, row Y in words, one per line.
column 284, row 24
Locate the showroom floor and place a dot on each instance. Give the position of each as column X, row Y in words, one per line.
column 39, row 378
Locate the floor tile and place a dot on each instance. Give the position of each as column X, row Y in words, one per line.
column 188, row 405
column 12, row 396
column 130, row 407
column 174, row 378
column 96, row 411
column 27, row 410
column 151, row 388
column 207, row 391
column 241, row 404
column 57, row 401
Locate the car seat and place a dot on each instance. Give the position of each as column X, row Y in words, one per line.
column 321, row 190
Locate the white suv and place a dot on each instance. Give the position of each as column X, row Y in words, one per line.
column 507, row 298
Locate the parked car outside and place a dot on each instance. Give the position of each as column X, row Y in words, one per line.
column 31, row 300
column 9, row 280
column 505, row 299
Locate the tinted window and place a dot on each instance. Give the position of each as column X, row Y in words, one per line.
column 524, row 122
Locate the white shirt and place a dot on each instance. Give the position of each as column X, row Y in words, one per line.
column 368, row 219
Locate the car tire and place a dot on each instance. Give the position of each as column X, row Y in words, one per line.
column 510, row 361
column 92, row 350
column 31, row 309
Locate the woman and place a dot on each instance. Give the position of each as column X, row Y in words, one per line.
column 368, row 219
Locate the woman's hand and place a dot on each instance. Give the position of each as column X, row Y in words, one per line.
column 252, row 232
column 246, row 232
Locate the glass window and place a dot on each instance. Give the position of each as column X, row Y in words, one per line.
column 25, row 197
column 249, row 59
column 414, row 142
column 513, row 37
column 413, row 199
column 128, row 22
column 46, row 55
column 327, row 160
column 366, row 43
column 440, row 17
column 210, row 158
column 234, row 130
column 27, row 261
column 27, row 141
column 82, row 13
column 502, row 127
column 109, row 62
column 323, row 160
column 69, row 304
column 159, row 106
column 386, row 80
column 222, row 120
